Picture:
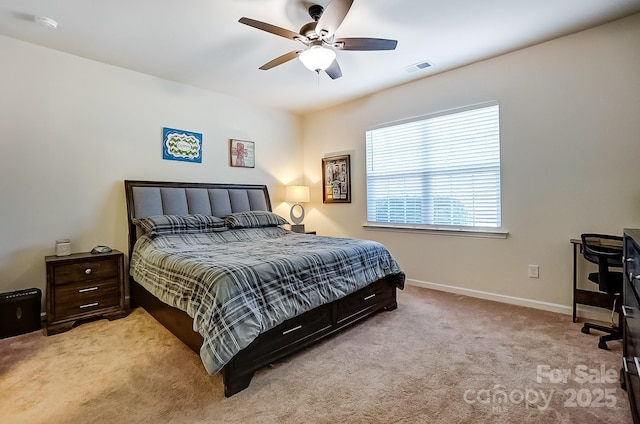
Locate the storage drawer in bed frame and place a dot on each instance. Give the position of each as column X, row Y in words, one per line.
column 288, row 337
column 370, row 297
column 310, row 326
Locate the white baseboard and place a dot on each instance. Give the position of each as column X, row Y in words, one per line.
column 583, row 311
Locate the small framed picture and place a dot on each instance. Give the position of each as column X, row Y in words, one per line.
column 336, row 177
column 181, row 145
column 242, row 153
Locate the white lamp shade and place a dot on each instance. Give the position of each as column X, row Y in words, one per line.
column 297, row 194
column 317, row 58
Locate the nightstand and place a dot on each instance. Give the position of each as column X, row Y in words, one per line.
column 83, row 286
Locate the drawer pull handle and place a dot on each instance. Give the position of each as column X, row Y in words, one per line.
column 284, row 333
column 635, row 360
column 624, row 365
column 88, row 271
column 88, row 305
column 627, row 311
column 371, row 296
column 628, row 259
column 87, row 289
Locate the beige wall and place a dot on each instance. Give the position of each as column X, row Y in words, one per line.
column 72, row 130
column 570, row 153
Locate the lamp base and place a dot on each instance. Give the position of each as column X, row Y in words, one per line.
column 297, row 228
column 297, row 219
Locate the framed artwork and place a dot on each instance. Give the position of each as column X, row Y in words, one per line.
column 242, row 153
column 336, row 177
column 181, row 145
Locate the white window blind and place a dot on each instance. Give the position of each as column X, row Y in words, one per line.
column 442, row 171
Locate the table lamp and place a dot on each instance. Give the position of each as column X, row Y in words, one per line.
column 297, row 194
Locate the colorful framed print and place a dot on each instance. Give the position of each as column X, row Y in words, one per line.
column 336, row 177
column 242, row 153
column 181, row 145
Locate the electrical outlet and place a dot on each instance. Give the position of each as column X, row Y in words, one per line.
column 534, row 271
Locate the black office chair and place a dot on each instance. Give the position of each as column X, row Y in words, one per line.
column 606, row 251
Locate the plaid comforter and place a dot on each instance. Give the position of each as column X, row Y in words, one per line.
column 239, row 283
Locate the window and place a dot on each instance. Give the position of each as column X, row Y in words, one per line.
column 437, row 172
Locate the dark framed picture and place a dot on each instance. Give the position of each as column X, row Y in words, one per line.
column 242, row 153
column 336, row 179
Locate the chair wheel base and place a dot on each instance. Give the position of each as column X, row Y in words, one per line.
column 614, row 333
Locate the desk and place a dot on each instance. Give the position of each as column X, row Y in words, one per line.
column 588, row 297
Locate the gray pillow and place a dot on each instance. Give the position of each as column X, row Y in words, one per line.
column 254, row 219
column 180, row 224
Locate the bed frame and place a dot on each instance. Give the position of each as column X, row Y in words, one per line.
column 147, row 198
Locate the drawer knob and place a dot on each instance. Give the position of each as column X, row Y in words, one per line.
column 88, row 271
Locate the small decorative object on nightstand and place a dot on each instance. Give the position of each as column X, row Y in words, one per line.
column 84, row 285
column 297, row 194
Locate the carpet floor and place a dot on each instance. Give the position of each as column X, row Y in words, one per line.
column 438, row 358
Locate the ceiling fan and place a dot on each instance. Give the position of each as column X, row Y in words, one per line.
column 318, row 37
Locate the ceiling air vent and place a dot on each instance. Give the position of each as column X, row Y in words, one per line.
column 418, row 66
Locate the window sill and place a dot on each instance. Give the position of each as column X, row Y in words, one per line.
column 487, row 233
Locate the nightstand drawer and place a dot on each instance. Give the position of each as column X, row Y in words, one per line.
column 81, row 271
column 79, row 298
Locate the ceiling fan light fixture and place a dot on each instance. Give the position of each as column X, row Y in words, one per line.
column 317, row 58
column 45, row 22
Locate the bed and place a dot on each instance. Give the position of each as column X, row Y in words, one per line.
column 214, row 265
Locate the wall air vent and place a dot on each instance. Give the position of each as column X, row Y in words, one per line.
column 418, row 66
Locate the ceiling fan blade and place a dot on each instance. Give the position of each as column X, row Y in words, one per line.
column 272, row 29
column 365, row 44
column 334, row 70
column 332, row 17
column 280, row 60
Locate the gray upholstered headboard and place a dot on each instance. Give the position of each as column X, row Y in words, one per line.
column 148, row 198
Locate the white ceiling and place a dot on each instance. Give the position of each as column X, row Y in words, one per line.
column 201, row 43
